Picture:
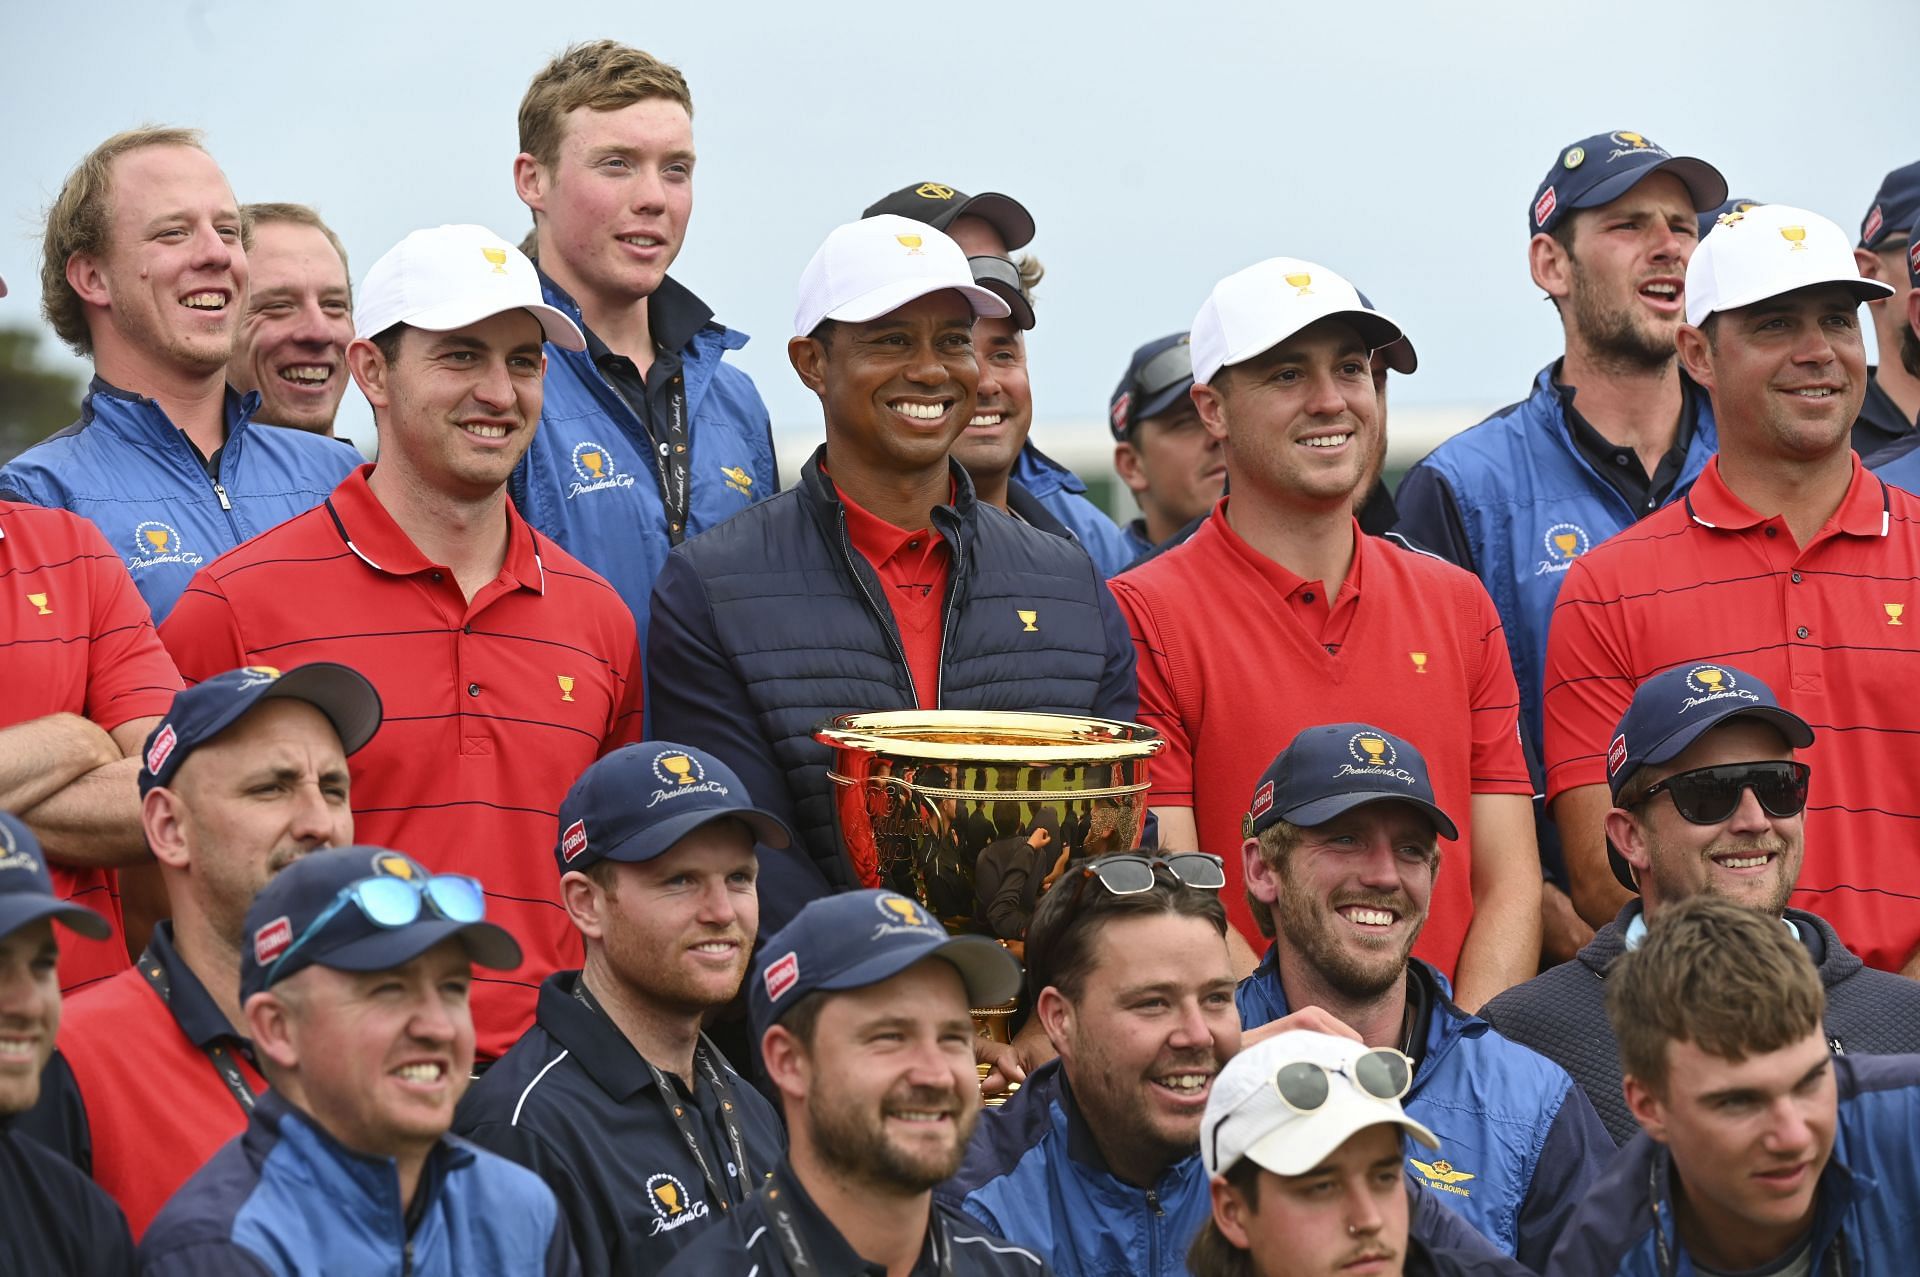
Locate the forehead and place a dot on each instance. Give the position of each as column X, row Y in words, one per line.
column 946, row 307
column 266, row 724
column 1814, row 299
column 290, row 249
column 1658, row 193
column 1322, row 339
column 155, row 180
column 928, row 992
column 1156, row 947
column 649, row 123
column 1396, row 819
column 28, row 939
column 998, row 332
column 1692, row 1071
column 509, row 330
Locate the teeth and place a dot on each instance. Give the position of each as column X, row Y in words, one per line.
column 1371, row 917
column 918, row 1115
column 21, row 1048
column 1327, row 441
column 986, row 419
column 920, row 411
column 1743, row 862
column 487, row 432
column 715, row 946
column 644, row 241
column 1188, row 1082
column 204, row 301
column 1664, row 290
column 1818, row 392
column 421, row 1072
column 313, row 373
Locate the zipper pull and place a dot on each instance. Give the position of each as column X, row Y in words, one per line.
column 221, row 492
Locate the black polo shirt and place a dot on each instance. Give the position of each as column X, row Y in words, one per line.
column 1880, row 421
column 1620, row 466
column 674, row 315
column 574, row 1102
column 53, row 1219
column 764, row 1236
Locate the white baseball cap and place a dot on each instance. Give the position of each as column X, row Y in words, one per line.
column 451, row 276
column 874, row 266
column 1768, row 250
column 1246, row 1117
column 1252, row 311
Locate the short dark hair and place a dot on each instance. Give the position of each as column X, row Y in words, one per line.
column 824, row 330
column 803, row 1017
column 1061, row 937
column 387, row 341
column 1211, row 1254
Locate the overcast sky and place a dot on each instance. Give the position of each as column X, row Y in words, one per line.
column 1398, row 143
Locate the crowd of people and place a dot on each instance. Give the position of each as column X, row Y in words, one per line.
column 430, row 866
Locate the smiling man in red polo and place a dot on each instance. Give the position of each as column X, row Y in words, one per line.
column 1787, row 559
column 505, row 665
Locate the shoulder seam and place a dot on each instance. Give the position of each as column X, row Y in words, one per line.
column 522, row 1101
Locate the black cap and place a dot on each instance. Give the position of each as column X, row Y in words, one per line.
column 203, row 711
column 26, row 888
column 1336, row 767
column 638, row 801
column 1600, row 169
column 937, row 204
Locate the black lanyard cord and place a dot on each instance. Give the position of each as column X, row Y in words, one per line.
column 221, row 1057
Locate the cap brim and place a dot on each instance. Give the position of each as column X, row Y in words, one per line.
column 487, row 943
column 1791, row 727
column 1321, row 810
column 445, row 318
column 1374, row 328
column 657, row 839
column 1307, row 1140
column 1622, row 871
column 1702, row 180
column 894, row 294
column 991, row 974
column 18, row 909
column 1018, row 308
column 1866, row 290
column 1003, row 212
column 342, row 693
column 1400, row 355
column 1166, row 401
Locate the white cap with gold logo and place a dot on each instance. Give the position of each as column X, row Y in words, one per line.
column 448, row 277
column 874, row 266
column 1767, row 250
column 1253, row 310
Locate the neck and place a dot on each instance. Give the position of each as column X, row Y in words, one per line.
column 1159, row 526
column 1316, row 544
column 214, row 963
column 468, row 536
column 1899, row 385
column 664, row 1039
column 409, row 1163
column 988, row 489
column 1804, row 493
column 1630, row 405
column 906, row 500
column 1728, row 1244
column 883, row 1225
column 196, row 402
column 621, row 322
column 1380, row 1020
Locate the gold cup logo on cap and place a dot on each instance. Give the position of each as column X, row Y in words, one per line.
column 1300, row 281
column 498, row 256
column 1796, row 236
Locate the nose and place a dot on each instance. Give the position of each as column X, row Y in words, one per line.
column 1363, row 1211
column 213, row 252
column 926, row 367
column 1190, row 1026
column 717, row 905
column 312, row 325
column 311, row 822
column 1748, row 815
column 649, row 191
column 1788, row 1132
column 432, row 1020
column 1324, row 397
column 22, row 997
column 1814, row 347
column 1376, row 865
column 1668, row 244
column 494, row 387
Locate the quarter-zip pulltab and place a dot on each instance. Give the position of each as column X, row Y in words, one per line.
column 884, row 616
column 221, row 492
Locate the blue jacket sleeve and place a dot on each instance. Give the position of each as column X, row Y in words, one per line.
column 1119, row 694
column 561, row 1261
column 204, row 1259
column 1438, row 1227
column 1430, row 517
column 1577, row 1149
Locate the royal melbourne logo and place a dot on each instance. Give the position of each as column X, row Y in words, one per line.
column 902, row 917
column 1710, row 683
column 1377, row 757
column 1442, row 1176
column 594, row 466
column 155, row 543
column 668, row 1197
column 1565, row 542
column 738, row 480
column 679, row 775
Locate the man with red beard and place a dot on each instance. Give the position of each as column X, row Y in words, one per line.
column 615, row 1096
column 1340, row 867
column 861, row 1007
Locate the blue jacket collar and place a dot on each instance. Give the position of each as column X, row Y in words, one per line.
column 1839, row 1189
column 134, row 415
column 193, row 1008
column 375, row 1179
column 1083, row 1149
column 1042, row 475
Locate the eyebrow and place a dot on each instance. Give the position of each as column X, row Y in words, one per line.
column 636, row 153
column 1755, row 1093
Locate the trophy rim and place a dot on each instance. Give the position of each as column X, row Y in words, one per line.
column 914, row 734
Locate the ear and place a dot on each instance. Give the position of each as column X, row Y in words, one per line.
column 1230, row 1211
column 1126, row 464
column 370, row 372
column 809, row 359
column 585, row 904
column 1057, row 1018
column 1550, row 266
column 530, row 182
column 1871, row 267
column 1262, row 879
column 87, row 276
column 1212, row 407
column 1696, row 354
column 1629, row 840
column 270, row 1025
column 1913, row 310
column 787, row 1064
column 1647, row 1108
column 160, row 819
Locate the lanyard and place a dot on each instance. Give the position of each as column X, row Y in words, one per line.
column 1841, row 1267
column 786, row 1229
column 220, row 1056
column 703, row 1063
column 671, row 445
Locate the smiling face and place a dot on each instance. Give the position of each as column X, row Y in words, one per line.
column 1346, row 1216
column 612, row 211
column 174, row 274
column 1003, row 405
column 1749, row 1141
column 1622, row 283
column 1787, row 375
column 29, row 1012
column 297, row 326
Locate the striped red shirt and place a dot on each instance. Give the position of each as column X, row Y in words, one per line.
column 493, row 707
column 76, row 638
column 1234, row 662
column 1830, row 626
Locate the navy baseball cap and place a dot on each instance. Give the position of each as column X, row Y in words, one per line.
column 860, row 938
column 26, row 889
column 1670, row 711
column 638, row 801
column 1400, row 354
column 1157, row 380
column 1336, row 767
column 1913, row 254
column 203, row 711
column 1711, row 218
column 938, row 204
column 1895, row 206
column 1600, row 169
column 307, row 905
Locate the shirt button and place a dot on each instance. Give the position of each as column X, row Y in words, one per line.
column 1621, row 462
column 913, row 545
column 1801, row 632
column 1796, row 578
column 1773, row 532
column 439, row 577
column 473, row 689
column 1307, row 597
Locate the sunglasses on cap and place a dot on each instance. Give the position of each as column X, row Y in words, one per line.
column 1709, row 795
column 1130, row 874
column 1382, row 1074
column 390, row 902
column 1168, row 368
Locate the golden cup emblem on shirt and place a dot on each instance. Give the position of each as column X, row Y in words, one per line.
column 498, row 256
column 1300, row 282
column 681, row 766
column 1568, row 543
column 1894, row 611
column 157, row 538
column 1376, row 749
column 40, row 601
column 1796, row 236
column 566, row 686
column 594, row 461
column 669, row 1197
column 1419, row 662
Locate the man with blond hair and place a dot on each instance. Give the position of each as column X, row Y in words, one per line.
column 647, row 437
column 144, row 271
column 298, row 320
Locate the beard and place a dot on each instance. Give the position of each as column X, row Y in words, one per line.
column 1360, row 972
column 851, row 1137
column 1113, row 1099
column 1617, row 335
column 1673, row 887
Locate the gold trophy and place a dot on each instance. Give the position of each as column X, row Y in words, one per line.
column 681, row 766
column 1566, row 541
column 157, row 538
column 1711, row 677
column 1375, row 747
column 594, row 462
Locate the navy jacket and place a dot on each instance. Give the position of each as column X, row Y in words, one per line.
column 1899, row 464
column 590, row 479
column 53, row 1219
column 773, row 623
column 1562, row 1013
column 1519, row 1143
column 139, row 479
column 1866, row 1195
column 284, row 1197
column 1061, row 491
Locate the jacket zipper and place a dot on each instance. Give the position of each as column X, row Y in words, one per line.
column 954, row 577
column 884, row 617
column 1153, row 1232
column 406, row 1258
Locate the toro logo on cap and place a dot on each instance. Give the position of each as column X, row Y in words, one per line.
column 1262, row 800
column 574, row 841
column 272, row 940
column 161, row 749
column 1616, row 755
column 1118, row 412
column 1875, row 220
column 1544, row 206
column 781, row 975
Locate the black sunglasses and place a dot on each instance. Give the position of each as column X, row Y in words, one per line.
column 1382, row 1073
column 1709, row 795
column 1130, row 874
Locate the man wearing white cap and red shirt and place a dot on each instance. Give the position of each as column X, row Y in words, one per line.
column 1279, row 614
column 505, row 665
column 879, row 582
column 1305, row 1140
column 1787, row 559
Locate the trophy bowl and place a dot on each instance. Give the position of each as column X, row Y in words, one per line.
column 921, row 794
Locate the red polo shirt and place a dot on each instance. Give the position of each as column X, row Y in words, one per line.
column 1833, row 627
column 913, row 568
column 493, row 707
column 1234, row 661
column 76, row 637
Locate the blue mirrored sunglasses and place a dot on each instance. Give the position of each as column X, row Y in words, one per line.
column 387, row 901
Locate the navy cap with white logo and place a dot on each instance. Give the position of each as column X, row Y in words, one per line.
column 1333, row 768
column 640, row 800
column 206, row 709
column 1600, row 169
column 861, row 938
column 26, row 888
column 1895, row 206
column 1913, row 254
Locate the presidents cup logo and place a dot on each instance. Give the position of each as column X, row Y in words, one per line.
column 11, row 857
column 253, row 676
column 912, row 244
column 155, row 543
column 594, row 464
column 1711, row 683
column 497, row 257
column 1377, row 757
column 681, row 774
column 1633, row 144
column 902, row 917
column 1565, row 542
column 933, row 191
column 394, row 865
column 668, row 1197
